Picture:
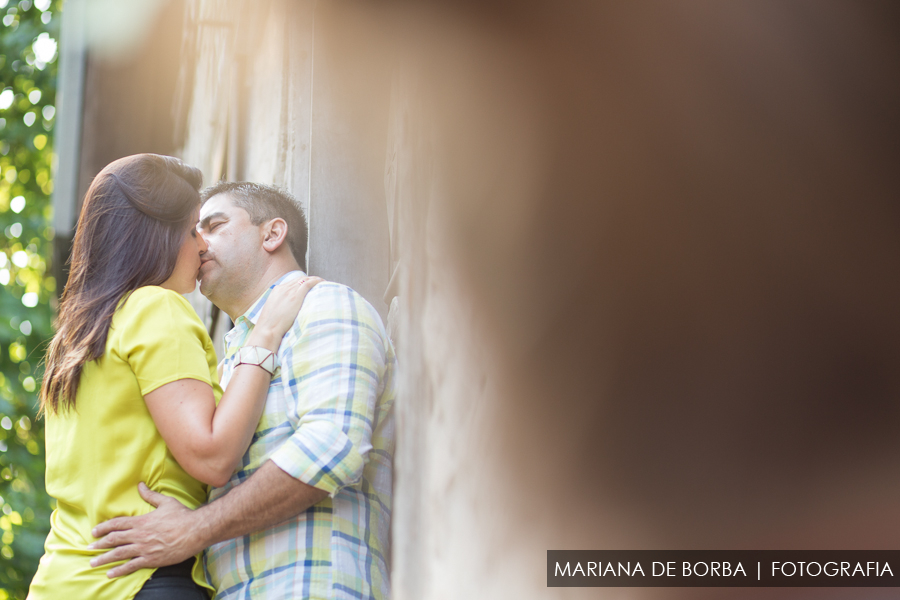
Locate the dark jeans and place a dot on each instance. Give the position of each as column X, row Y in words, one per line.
column 171, row 588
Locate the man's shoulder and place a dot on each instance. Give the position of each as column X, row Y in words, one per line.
column 329, row 301
column 331, row 291
column 334, row 297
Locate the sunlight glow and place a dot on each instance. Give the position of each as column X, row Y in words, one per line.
column 6, row 98
column 44, row 49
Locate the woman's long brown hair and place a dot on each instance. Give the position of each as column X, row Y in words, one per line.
column 132, row 224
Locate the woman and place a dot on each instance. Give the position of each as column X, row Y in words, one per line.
column 130, row 352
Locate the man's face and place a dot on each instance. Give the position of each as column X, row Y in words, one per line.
column 235, row 255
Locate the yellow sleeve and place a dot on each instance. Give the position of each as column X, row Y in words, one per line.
column 162, row 338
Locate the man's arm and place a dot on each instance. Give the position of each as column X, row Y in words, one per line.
column 173, row 532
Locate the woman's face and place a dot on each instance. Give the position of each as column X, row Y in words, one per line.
column 184, row 278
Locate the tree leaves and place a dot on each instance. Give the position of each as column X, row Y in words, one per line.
column 28, row 69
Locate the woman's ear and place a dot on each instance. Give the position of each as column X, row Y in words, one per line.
column 274, row 234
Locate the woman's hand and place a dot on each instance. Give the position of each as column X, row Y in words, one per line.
column 280, row 311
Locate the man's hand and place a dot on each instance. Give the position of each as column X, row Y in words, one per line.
column 173, row 532
column 166, row 536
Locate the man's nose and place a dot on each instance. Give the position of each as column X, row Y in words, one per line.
column 202, row 244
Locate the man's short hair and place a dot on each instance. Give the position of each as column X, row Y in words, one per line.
column 263, row 203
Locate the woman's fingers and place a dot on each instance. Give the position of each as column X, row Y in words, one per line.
column 296, row 289
column 284, row 303
column 302, row 287
column 290, row 289
column 288, row 297
column 310, row 282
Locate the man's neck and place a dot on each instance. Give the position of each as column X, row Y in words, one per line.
column 252, row 293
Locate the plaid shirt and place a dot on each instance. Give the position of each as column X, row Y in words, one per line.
column 328, row 422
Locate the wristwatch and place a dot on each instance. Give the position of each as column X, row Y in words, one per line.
column 261, row 357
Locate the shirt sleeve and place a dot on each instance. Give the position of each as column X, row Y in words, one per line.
column 162, row 338
column 332, row 362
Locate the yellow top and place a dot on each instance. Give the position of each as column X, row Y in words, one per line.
column 99, row 452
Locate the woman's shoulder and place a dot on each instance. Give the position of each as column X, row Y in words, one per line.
column 151, row 301
column 154, row 293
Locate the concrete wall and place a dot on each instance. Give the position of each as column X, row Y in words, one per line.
column 282, row 96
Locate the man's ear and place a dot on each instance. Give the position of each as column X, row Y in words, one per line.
column 274, row 234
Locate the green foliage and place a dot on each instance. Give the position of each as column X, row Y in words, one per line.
column 28, row 69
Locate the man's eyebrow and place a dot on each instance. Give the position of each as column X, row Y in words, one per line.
column 204, row 223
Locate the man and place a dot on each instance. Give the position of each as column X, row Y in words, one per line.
column 307, row 514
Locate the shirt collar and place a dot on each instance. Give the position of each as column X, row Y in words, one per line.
column 252, row 315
